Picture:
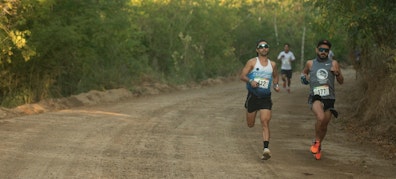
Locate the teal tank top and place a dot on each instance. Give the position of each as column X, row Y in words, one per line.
column 263, row 76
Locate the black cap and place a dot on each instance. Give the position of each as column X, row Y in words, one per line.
column 325, row 42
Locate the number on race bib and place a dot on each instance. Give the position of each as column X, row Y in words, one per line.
column 262, row 82
column 321, row 90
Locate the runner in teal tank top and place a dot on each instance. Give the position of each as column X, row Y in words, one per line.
column 263, row 76
column 260, row 75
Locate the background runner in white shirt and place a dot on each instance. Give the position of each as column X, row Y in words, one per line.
column 286, row 57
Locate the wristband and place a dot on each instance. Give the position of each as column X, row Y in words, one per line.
column 250, row 80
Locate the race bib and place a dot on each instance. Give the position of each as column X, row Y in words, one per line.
column 286, row 62
column 262, row 82
column 321, row 90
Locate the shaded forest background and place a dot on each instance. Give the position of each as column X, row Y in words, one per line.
column 57, row 48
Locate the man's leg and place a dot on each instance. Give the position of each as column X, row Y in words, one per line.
column 249, row 105
column 250, row 118
column 265, row 117
column 322, row 120
column 289, row 75
column 284, row 78
column 323, row 125
column 317, row 109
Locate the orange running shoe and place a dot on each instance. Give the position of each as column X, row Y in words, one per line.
column 318, row 155
column 315, row 147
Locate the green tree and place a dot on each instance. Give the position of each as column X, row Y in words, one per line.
column 79, row 46
column 370, row 30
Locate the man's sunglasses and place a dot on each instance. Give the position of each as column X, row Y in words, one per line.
column 261, row 46
column 324, row 50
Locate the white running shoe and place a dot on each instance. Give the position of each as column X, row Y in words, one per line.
column 266, row 154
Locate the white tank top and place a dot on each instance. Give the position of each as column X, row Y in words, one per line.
column 263, row 76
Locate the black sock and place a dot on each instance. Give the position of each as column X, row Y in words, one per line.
column 266, row 143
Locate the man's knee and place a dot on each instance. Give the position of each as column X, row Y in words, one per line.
column 323, row 120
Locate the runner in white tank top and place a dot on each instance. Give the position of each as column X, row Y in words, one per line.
column 260, row 75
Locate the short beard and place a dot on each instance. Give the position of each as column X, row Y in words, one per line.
column 325, row 58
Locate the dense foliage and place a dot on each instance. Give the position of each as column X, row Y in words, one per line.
column 370, row 26
column 56, row 48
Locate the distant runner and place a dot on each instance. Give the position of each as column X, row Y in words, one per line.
column 286, row 57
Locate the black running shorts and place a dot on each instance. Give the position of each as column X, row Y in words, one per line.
column 254, row 103
column 288, row 73
column 327, row 103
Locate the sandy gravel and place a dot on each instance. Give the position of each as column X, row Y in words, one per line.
column 192, row 133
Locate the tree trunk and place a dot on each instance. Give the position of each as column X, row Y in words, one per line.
column 302, row 48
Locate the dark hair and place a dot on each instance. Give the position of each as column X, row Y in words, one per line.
column 259, row 41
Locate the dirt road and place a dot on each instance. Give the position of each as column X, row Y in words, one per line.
column 198, row 133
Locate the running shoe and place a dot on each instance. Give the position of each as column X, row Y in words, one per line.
column 318, row 155
column 315, row 147
column 266, row 154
